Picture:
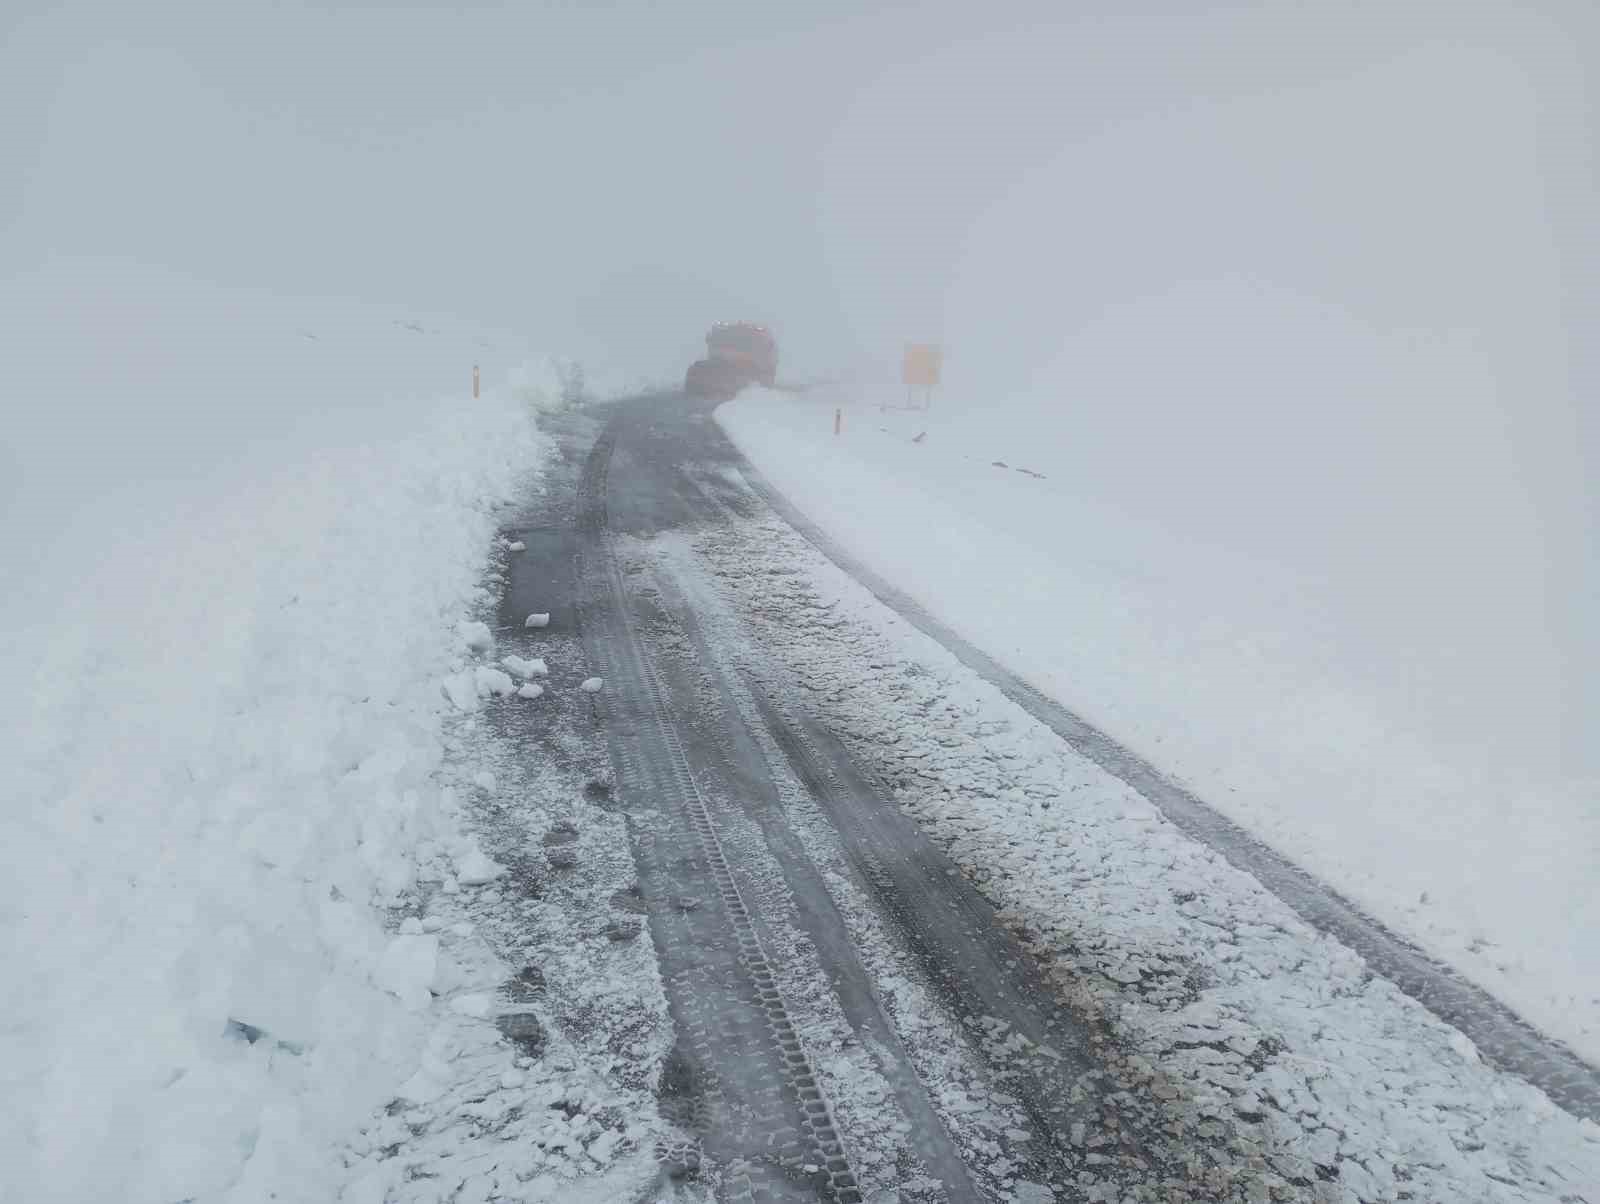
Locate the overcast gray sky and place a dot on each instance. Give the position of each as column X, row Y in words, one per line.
column 621, row 172
column 1318, row 273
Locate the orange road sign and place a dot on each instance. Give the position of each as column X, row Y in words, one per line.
column 922, row 364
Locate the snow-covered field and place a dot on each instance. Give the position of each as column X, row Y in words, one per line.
column 240, row 534
column 1337, row 669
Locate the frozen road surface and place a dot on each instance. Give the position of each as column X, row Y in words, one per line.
column 916, row 945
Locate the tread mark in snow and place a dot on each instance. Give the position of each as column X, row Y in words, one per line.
column 761, row 1112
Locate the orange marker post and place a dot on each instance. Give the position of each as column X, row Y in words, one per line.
column 474, row 380
column 838, row 419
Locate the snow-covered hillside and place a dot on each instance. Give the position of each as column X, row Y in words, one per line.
column 239, row 535
column 1355, row 670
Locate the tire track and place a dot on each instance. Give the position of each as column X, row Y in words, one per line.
column 745, row 1085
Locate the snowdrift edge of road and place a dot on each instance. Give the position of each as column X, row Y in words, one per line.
column 226, row 763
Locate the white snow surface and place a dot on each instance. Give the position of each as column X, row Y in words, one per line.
column 475, row 635
column 221, row 739
column 1404, row 755
column 475, row 868
column 492, row 682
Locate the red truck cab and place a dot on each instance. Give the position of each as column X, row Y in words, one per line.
column 737, row 354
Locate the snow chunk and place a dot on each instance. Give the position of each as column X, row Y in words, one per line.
column 476, row 1006
column 516, row 545
column 537, row 620
column 494, row 682
column 483, row 780
column 1032, row 1193
column 475, row 868
column 591, row 685
column 530, row 690
column 422, row 1088
column 1463, row 1046
column 461, row 690
column 407, row 968
column 526, row 668
column 475, row 635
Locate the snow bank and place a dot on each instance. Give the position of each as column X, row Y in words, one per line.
column 1388, row 733
column 220, row 753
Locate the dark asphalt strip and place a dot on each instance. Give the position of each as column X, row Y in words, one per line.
column 972, row 962
column 760, row 1110
column 816, row 914
column 1504, row 1039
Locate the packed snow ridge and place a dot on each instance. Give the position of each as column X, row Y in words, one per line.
column 226, row 790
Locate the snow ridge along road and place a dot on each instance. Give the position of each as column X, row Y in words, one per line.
column 1502, row 1036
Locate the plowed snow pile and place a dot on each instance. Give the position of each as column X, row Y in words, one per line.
column 246, row 531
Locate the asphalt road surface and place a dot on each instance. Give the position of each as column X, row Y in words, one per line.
column 851, row 1012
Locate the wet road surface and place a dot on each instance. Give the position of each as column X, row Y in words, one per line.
column 799, row 915
column 708, row 760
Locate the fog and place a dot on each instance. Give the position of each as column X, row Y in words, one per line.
column 1318, row 280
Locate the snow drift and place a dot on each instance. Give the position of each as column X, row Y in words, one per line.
column 222, row 727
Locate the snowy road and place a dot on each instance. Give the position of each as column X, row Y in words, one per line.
column 916, row 946
column 744, row 922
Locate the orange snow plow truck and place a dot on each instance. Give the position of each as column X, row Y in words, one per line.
column 737, row 354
